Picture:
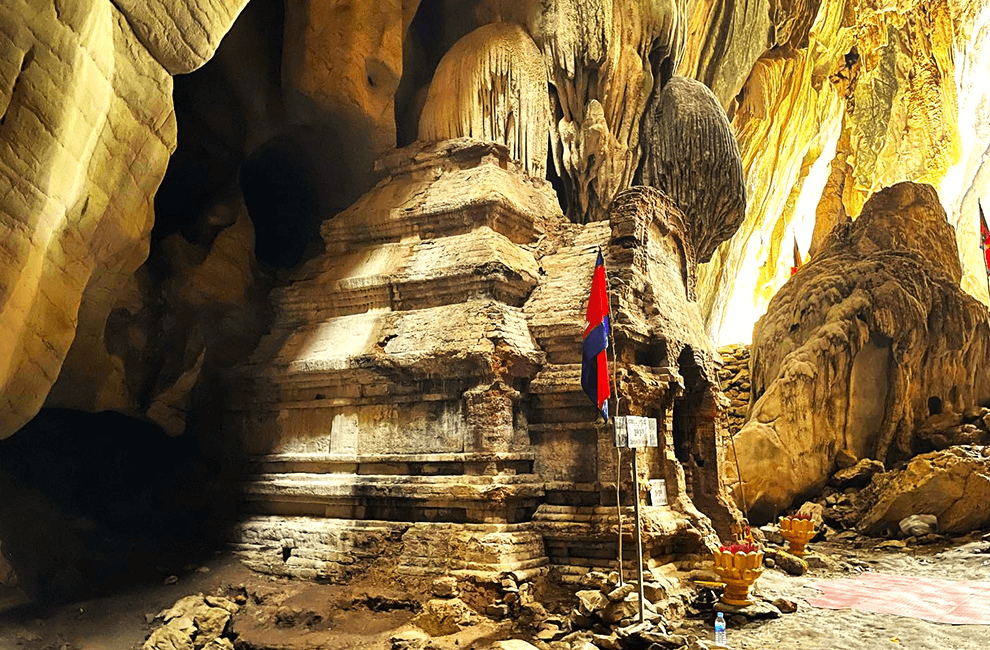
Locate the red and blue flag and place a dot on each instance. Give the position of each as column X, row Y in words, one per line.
column 594, row 366
column 984, row 238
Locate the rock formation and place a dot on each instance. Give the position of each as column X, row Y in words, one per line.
column 953, row 485
column 122, row 290
column 492, row 86
column 864, row 343
column 604, row 60
column 734, row 379
column 690, row 153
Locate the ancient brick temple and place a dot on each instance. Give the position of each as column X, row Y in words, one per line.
column 418, row 397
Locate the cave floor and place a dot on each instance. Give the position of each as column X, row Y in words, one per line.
column 368, row 615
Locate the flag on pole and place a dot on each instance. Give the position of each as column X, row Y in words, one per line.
column 797, row 257
column 984, row 239
column 594, row 366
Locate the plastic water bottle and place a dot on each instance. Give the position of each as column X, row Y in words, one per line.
column 720, row 630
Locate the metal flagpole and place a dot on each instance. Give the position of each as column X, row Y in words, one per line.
column 618, row 450
column 618, row 474
column 639, row 533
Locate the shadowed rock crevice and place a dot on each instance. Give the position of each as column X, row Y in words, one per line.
column 96, row 502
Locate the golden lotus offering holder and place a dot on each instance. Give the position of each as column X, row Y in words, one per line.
column 738, row 571
column 797, row 532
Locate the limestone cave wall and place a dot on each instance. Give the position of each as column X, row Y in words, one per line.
column 167, row 164
column 122, row 295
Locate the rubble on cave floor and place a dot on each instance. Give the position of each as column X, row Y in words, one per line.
column 233, row 607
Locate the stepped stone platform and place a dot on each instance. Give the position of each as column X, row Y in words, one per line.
column 418, row 403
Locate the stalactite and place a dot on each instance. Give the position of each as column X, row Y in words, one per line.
column 492, row 86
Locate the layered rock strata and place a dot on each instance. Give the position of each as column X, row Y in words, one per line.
column 418, row 399
column 861, row 347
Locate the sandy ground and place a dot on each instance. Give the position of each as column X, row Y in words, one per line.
column 352, row 620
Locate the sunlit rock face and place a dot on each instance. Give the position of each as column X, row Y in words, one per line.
column 845, row 99
column 863, row 344
column 87, row 129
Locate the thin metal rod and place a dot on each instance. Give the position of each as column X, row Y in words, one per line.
column 618, row 502
column 742, row 491
column 639, row 535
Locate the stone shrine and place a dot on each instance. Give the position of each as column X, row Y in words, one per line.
column 418, row 398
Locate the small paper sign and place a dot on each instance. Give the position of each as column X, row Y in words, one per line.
column 658, row 492
column 621, row 437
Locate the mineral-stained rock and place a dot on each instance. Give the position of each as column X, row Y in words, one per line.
column 182, row 35
column 864, row 343
column 341, row 66
column 591, row 601
column 690, row 153
column 838, row 86
column 792, row 564
column 192, row 622
column 952, row 484
column 88, row 127
column 604, row 60
column 87, row 130
column 845, row 459
column 443, row 616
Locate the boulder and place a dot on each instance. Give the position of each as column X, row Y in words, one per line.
column 443, row 616
column 845, row 459
column 918, row 525
column 192, row 623
column 591, row 601
column 792, row 564
column 815, row 511
column 952, row 484
column 858, row 475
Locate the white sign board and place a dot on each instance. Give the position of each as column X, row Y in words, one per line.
column 635, row 431
column 658, row 492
